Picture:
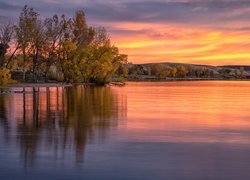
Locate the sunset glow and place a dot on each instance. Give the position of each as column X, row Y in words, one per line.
column 184, row 31
column 174, row 43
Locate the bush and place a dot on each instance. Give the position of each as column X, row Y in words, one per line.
column 5, row 76
column 119, row 79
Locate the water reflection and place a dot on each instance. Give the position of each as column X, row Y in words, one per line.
column 58, row 120
column 3, row 118
column 166, row 130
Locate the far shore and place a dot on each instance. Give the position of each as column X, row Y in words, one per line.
column 24, row 85
column 185, row 79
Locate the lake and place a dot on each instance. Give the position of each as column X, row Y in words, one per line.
column 144, row 130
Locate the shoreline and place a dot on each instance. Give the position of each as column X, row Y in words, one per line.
column 183, row 79
column 26, row 85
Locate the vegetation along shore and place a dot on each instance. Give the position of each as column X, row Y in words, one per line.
column 56, row 49
column 66, row 50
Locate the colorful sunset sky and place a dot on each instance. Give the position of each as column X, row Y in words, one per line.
column 215, row 32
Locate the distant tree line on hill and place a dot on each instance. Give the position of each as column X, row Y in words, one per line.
column 57, row 48
column 174, row 71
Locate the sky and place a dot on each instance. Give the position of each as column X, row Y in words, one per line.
column 215, row 32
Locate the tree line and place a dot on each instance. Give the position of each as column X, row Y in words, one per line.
column 171, row 70
column 59, row 48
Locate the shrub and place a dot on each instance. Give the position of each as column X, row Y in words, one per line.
column 5, row 76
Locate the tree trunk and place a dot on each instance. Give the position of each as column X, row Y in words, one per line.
column 47, row 70
column 24, row 61
column 1, row 60
column 57, row 72
column 2, row 52
column 34, row 68
column 11, row 57
column 35, row 60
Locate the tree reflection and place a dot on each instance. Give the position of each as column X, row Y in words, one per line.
column 3, row 117
column 62, row 121
column 90, row 112
column 28, row 130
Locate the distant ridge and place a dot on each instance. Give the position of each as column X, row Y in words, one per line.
column 246, row 67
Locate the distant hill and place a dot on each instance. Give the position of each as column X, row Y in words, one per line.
column 185, row 70
column 172, row 64
column 246, row 68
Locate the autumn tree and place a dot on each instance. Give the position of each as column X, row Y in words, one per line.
column 37, row 42
column 161, row 70
column 54, row 32
column 136, row 70
column 182, row 71
column 82, row 34
column 25, row 31
column 6, row 34
column 79, row 52
column 242, row 72
column 102, row 59
column 174, row 72
column 155, row 69
column 122, row 70
column 72, row 62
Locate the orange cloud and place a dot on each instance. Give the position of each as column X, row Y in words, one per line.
column 177, row 43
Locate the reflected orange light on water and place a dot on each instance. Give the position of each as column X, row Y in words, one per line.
column 187, row 111
column 197, row 111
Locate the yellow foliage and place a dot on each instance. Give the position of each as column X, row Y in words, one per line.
column 5, row 76
column 69, row 47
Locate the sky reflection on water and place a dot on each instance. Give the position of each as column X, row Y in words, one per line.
column 176, row 130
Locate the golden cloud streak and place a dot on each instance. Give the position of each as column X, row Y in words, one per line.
column 176, row 43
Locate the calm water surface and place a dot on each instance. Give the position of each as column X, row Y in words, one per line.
column 166, row 130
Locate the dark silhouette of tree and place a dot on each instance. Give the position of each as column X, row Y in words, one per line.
column 6, row 34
